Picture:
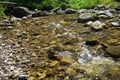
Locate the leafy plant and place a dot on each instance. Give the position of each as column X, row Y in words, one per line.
column 1, row 11
column 49, row 4
column 89, row 3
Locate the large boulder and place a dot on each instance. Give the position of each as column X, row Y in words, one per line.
column 21, row 11
column 85, row 17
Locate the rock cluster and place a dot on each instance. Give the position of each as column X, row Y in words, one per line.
column 79, row 45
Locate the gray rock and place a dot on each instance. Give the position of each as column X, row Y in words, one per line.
column 105, row 12
column 112, row 10
column 23, row 77
column 7, row 21
column 70, row 11
column 103, row 16
column 1, row 36
column 60, row 12
column 89, row 23
column 101, row 7
column 56, row 9
column 44, row 13
column 101, row 12
column 82, row 11
column 116, row 24
column 85, row 17
column 13, row 19
column 97, row 25
column 21, row 11
column 65, row 57
column 92, row 11
column 108, row 13
column 114, row 51
column 37, row 14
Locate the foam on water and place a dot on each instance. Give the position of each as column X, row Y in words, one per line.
column 86, row 57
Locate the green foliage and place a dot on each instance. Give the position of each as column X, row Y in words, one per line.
column 90, row 3
column 1, row 12
column 49, row 4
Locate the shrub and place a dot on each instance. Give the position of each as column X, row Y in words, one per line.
column 90, row 3
column 2, row 12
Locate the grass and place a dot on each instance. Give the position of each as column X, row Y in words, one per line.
column 76, row 4
column 2, row 12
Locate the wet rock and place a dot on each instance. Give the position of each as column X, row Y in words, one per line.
column 65, row 61
column 7, row 21
column 44, row 13
column 92, row 11
column 97, row 25
column 92, row 42
column 29, row 16
column 65, row 57
column 37, row 14
column 21, row 11
column 84, row 30
column 106, row 12
column 116, row 24
column 70, row 11
column 53, row 63
column 23, row 77
column 18, row 34
column 24, row 18
column 52, row 54
column 112, row 10
column 13, row 75
column 101, row 7
column 89, row 23
column 65, row 54
column 60, row 12
column 1, row 36
column 82, row 11
column 56, row 9
column 112, row 41
column 103, row 16
column 85, row 17
column 13, row 20
column 114, row 51
column 96, row 78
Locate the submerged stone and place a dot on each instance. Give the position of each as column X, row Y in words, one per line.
column 114, row 51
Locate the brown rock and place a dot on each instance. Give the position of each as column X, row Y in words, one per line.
column 66, row 61
column 114, row 51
